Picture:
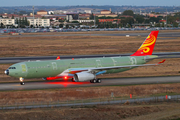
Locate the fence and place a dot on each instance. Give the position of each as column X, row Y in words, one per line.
column 85, row 102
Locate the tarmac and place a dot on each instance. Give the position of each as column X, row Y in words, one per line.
column 105, row 82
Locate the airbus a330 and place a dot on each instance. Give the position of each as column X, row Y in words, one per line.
column 79, row 70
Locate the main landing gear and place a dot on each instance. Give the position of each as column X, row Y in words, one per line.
column 95, row 81
column 21, row 81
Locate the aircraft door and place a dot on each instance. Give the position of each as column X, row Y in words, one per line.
column 24, row 69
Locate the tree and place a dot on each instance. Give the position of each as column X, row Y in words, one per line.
column 16, row 21
column 140, row 19
column 91, row 16
column 60, row 20
column 12, row 16
column 128, row 12
column 23, row 21
column 67, row 26
column 26, row 22
column 171, row 19
column 2, row 25
column 146, row 21
column 19, row 22
column 61, row 25
column 127, row 22
column 154, row 19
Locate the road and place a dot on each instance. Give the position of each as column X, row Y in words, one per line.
column 164, row 34
column 4, row 60
column 105, row 82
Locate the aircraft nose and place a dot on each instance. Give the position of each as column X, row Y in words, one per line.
column 6, row 72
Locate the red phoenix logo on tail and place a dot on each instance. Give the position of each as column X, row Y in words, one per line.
column 148, row 45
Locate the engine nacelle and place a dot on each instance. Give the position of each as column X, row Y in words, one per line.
column 83, row 76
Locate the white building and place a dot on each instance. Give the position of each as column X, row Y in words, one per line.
column 39, row 22
column 83, row 21
column 88, row 11
column 7, row 21
column 50, row 12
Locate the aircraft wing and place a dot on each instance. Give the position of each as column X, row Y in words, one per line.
column 69, row 73
column 74, row 70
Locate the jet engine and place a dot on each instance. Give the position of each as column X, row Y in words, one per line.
column 83, row 76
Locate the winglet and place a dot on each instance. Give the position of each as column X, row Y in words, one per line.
column 162, row 61
column 148, row 45
column 58, row 58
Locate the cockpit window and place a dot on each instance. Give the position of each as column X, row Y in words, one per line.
column 12, row 67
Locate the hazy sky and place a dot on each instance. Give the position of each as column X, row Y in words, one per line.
column 89, row 2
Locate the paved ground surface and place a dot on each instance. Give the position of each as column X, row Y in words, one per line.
column 21, row 59
column 165, row 34
column 62, row 84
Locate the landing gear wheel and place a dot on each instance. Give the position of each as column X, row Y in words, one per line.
column 91, row 81
column 94, row 81
column 22, row 83
column 98, row 80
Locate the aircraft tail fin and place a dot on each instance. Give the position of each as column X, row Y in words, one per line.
column 148, row 45
column 58, row 58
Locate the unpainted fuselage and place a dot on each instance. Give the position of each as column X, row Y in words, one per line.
column 50, row 68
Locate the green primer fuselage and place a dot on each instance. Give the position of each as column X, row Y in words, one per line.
column 52, row 68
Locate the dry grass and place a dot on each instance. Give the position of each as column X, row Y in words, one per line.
column 70, row 94
column 78, row 45
column 161, row 111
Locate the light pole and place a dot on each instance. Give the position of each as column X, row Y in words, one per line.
column 94, row 19
column 166, row 17
column 33, row 16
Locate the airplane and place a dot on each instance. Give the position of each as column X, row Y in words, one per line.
column 86, row 69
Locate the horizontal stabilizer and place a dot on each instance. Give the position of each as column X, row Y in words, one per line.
column 162, row 61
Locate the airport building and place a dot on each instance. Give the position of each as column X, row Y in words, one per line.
column 39, row 22
column 106, row 13
column 42, row 12
column 7, row 21
column 83, row 21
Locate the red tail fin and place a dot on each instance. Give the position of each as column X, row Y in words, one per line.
column 58, row 58
column 148, row 45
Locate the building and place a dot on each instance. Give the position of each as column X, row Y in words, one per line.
column 106, row 13
column 39, row 22
column 60, row 12
column 42, row 12
column 50, row 12
column 88, row 11
column 162, row 21
column 7, row 21
column 156, row 15
column 84, row 16
column 109, row 20
column 72, row 16
column 84, row 21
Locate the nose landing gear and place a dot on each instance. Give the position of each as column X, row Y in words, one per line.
column 21, row 81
